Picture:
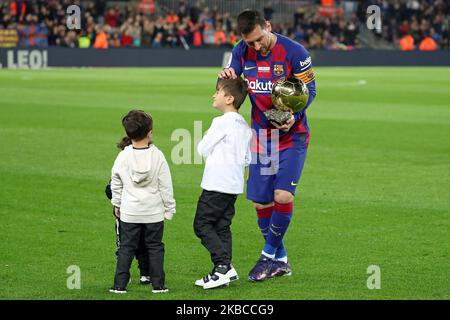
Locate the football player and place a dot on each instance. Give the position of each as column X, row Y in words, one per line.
column 263, row 57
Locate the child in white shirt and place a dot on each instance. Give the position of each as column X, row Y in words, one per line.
column 226, row 147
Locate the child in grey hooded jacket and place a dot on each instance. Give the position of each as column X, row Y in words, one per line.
column 142, row 196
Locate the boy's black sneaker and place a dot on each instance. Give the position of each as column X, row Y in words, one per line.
column 118, row 290
column 218, row 278
column 231, row 274
column 160, row 289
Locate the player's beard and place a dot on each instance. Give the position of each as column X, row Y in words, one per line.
column 269, row 45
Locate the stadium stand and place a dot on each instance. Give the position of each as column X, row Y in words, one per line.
column 325, row 24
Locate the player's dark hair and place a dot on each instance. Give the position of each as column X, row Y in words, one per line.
column 248, row 19
column 137, row 125
column 237, row 88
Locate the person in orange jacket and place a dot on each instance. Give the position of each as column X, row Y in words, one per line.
column 18, row 9
column 428, row 44
column 101, row 40
column 407, row 43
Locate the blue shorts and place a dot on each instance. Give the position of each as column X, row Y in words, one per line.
column 282, row 172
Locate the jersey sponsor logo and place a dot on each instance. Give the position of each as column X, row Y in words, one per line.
column 278, row 69
column 305, row 63
column 249, row 68
column 258, row 86
column 293, row 184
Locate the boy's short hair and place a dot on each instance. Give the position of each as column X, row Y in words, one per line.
column 237, row 88
column 137, row 124
column 248, row 19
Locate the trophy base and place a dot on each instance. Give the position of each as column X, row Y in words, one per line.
column 277, row 116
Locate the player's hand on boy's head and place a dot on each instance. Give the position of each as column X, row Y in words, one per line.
column 227, row 73
column 285, row 127
column 117, row 212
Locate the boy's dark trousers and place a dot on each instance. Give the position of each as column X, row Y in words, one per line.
column 212, row 221
column 130, row 234
column 141, row 252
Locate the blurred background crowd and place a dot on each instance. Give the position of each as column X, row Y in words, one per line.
column 322, row 24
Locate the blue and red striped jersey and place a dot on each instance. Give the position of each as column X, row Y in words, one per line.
column 287, row 58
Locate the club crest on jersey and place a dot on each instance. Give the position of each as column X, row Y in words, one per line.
column 278, row 69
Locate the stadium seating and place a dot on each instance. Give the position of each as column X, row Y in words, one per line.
column 330, row 25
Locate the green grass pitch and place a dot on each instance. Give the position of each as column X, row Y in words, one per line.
column 375, row 189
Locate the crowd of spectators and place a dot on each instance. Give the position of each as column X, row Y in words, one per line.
column 316, row 30
column 146, row 23
column 44, row 23
column 413, row 24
